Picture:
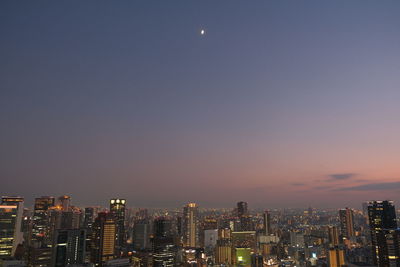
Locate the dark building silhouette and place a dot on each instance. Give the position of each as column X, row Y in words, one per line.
column 163, row 243
column 69, row 247
column 382, row 222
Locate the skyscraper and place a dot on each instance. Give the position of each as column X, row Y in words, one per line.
column 389, row 243
column 346, row 223
column 163, row 243
column 382, row 217
column 64, row 202
column 69, row 247
column 41, row 219
column 117, row 209
column 103, row 238
column 242, row 209
column 141, row 233
column 244, row 217
column 267, row 223
column 333, row 236
column 11, row 236
column 190, row 225
column 89, row 218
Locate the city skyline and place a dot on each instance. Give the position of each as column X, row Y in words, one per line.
column 276, row 104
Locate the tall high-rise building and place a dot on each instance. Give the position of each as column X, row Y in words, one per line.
column 244, row 217
column 242, row 209
column 333, row 235
column 117, row 209
column 41, row 219
column 88, row 218
column 64, row 202
column 346, row 218
column 190, row 225
column 11, row 236
column 69, row 247
column 210, row 239
column 389, row 246
column 163, row 243
column 267, row 223
column 382, row 217
column 103, row 239
column 223, row 252
column 141, row 234
column 336, row 257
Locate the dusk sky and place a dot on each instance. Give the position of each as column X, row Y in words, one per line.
column 279, row 103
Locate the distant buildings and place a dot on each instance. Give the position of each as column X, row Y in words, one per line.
column 60, row 234
column 346, row 218
column 267, row 223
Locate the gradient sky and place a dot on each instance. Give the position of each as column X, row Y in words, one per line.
column 281, row 103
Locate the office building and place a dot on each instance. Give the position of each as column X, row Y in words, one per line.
column 190, row 225
column 346, row 218
column 333, row 236
column 64, row 202
column 11, row 236
column 69, row 247
column 117, row 209
column 41, row 220
column 381, row 216
column 141, row 234
column 267, row 223
column 163, row 243
column 103, row 238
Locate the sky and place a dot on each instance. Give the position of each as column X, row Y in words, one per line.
column 279, row 103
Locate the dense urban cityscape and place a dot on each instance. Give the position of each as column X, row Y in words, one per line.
column 212, row 133
column 57, row 233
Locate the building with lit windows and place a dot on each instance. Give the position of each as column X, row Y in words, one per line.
column 381, row 216
column 223, row 252
column 103, row 239
column 11, row 211
column 244, row 244
column 267, row 223
column 41, row 219
column 346, row 218
column 333, row 235
column 69, row 247
column 336, row 257
column 64, row 202
column 117, row 209
column 163, row 243
column 190, row 225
